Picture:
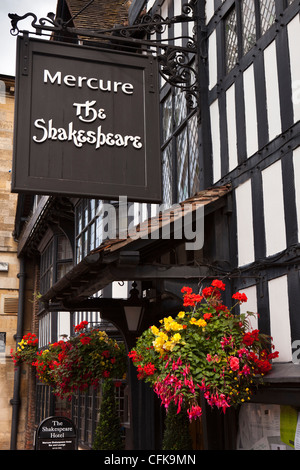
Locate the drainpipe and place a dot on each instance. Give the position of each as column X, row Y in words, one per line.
column 15, row 401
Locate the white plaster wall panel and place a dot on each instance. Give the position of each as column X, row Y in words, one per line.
column 150, row 4
column 272, row 91
column 280, row 318
column 209, row 9
column 250, row 111
column 293, row 29
column 296, row 163
column 191, row 31
column 215, row 133
column 165, row 35
column 63, row 324
column 273, row 209
column 177, row 26
column 245, row 238
column 212, row 60
column 231, row 127
column 250, row 306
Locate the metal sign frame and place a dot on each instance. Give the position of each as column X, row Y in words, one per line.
column 63, row 106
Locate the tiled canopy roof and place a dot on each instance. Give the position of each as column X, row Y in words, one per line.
column 104, row 264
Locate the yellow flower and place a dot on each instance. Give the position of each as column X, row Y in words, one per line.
column 181, row 314
column 158, row 343
column 199, row 322
column 155, row 330
column 167, row 323
column 163, row 336
column 176, row 338
column 168, row 346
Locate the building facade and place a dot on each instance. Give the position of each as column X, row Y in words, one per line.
column 229, row 140
column 9, row 264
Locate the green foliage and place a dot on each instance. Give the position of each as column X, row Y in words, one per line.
column 108, row 433
column 177, row 432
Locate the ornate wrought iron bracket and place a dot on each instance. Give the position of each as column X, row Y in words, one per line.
column 177, row 64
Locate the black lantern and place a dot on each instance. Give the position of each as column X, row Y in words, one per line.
column 133, row 308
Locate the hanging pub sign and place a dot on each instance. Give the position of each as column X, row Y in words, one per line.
column 56, row 433
column 86, row 122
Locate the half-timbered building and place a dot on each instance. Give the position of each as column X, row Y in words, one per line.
column 230, row 141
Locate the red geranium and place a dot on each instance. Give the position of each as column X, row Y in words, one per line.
column 241, row 297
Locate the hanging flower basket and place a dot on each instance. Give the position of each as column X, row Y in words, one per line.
column 75, row 364
column 86, row 359
column 206, row 349
column 26, row 350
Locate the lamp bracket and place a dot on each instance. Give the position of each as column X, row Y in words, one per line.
column 175, row 55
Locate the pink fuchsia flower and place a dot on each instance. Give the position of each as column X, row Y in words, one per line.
column 241, row 352
column 194, row 412
column 246, row 370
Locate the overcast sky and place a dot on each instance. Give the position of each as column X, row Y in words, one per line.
column 8, row 42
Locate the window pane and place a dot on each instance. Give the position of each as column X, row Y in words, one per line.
column 167, row 118
column 167, row 171
column 46, row 269
column 86, row 212
column 64, row 250
column 92, row 207
column 267, row 14
column 63, row 269
column 182, row 167
column 231, row 40
column 85, row 243
column 180, row 108
column 193, row 155
column 79, row 250
column 249, row 25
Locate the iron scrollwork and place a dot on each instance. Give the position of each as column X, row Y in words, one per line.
column 38, row 25
column 175, row 61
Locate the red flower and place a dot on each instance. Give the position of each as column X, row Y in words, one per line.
column 149, row 369
column 219, row 284
column 207, row 291
column 250, row 337
column 188, row 290
column 134, row 356
column 189, row 300
column 207, row 316
column 240, row 297
column 81, row 325
column 85, row 340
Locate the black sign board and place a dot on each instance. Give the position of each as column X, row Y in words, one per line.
column 56, row 433
column 86, row 122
